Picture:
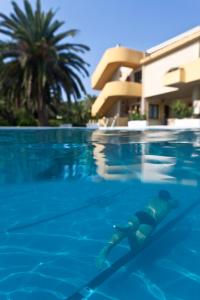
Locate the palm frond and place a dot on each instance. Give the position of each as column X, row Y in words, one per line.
column 38, row 63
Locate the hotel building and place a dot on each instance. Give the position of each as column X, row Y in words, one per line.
column 148, row 82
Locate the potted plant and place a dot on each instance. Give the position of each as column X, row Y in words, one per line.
column 183, row 116
column 180, row 110
column 137, row 121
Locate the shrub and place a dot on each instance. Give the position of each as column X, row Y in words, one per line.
column 136, row 116
column 180, row 110
column 24, row 118
column 54, row 122
column 27, row 121
column 4, row 122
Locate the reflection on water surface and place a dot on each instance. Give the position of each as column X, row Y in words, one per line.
column 163, row 156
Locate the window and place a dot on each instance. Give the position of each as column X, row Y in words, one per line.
column 153, row 111
column 138, row 76
column 124, row 108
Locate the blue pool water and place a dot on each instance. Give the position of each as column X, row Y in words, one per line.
column 48, row 246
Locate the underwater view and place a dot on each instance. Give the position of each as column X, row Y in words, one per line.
column 61, row 192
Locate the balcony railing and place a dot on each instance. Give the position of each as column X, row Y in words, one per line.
column 112, row 59
column 112, row 92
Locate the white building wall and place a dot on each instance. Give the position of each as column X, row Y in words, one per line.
column 153, row 73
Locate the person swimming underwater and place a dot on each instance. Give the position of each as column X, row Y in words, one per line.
column 141, row 226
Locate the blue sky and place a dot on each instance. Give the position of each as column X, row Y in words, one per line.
column 137, row 24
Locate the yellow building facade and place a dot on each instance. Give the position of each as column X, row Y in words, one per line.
column 134, row 83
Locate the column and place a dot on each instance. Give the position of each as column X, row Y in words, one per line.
column 119, row 107
column 196, row 100
column 142, row 106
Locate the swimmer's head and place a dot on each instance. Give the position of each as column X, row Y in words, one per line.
column 166, row 196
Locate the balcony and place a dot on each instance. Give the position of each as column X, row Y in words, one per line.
column 114, row 91
column 111, row 61
column 192, row 71
column 174, row 77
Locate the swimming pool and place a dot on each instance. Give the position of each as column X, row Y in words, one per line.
column 62, row 190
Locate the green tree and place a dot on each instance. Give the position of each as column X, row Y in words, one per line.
column 37, row 62
column 83, row 109
column 79, row 113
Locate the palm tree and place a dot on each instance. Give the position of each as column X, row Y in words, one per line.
column 37, row 63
